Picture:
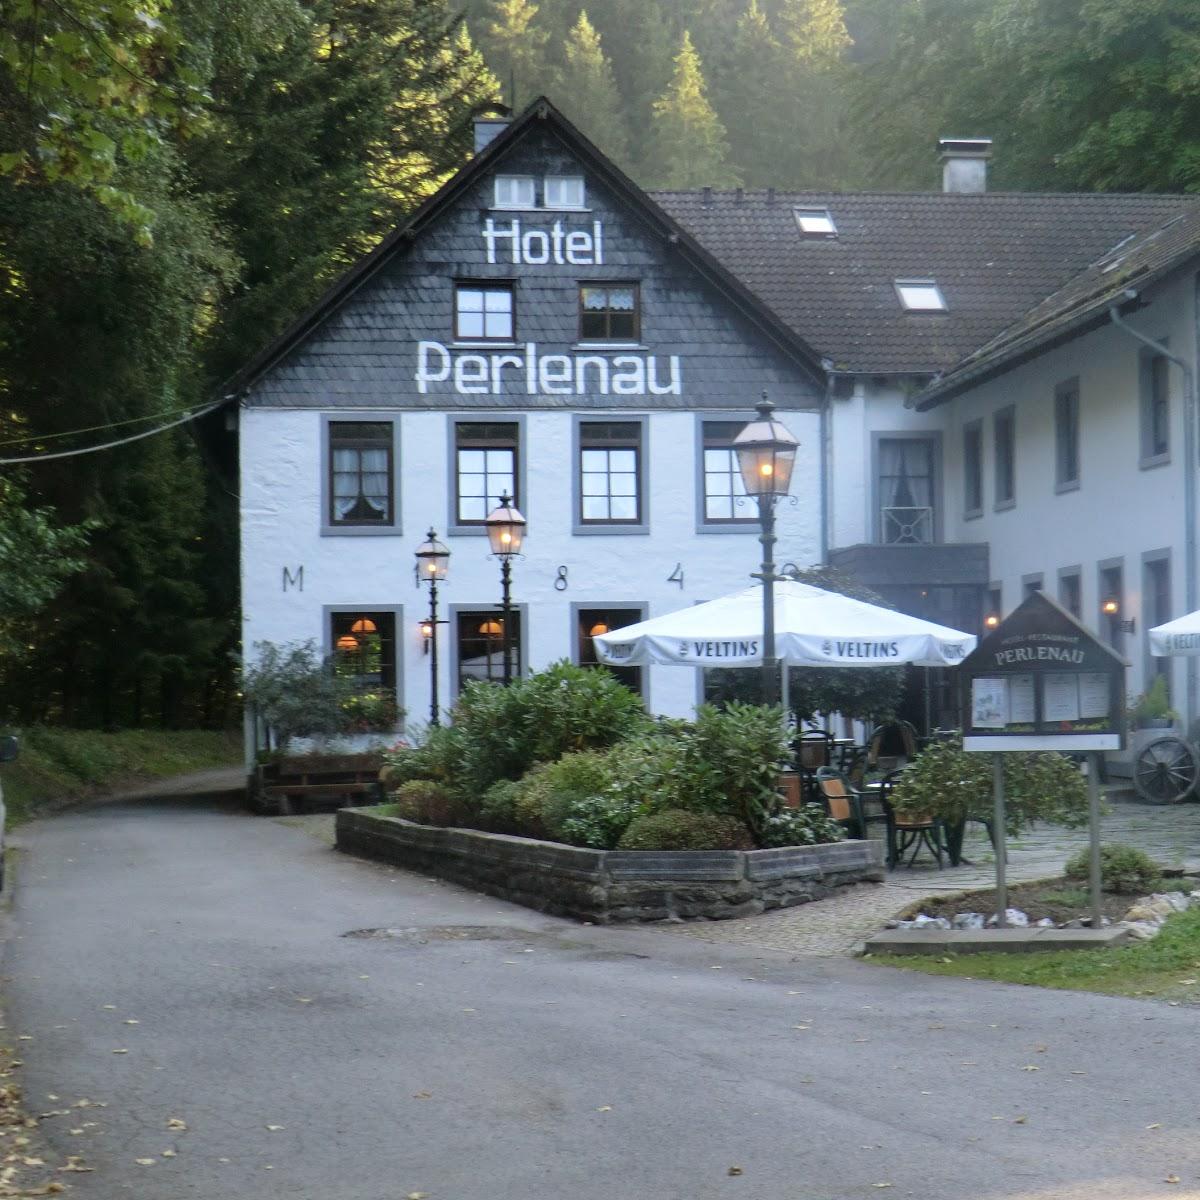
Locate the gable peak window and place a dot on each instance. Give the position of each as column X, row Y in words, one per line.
column 564, row 191
column 609, row 312
column 484, row 312
column 920, row 295
column 360, row 469
column 515, row 191
column 815, row 222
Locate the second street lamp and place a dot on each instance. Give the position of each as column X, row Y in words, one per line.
column 766, row 453
column 506, row 534
column 433, row 565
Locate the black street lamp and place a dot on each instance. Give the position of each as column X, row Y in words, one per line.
column 506, row 533
column 433, row 565
column 766, row 453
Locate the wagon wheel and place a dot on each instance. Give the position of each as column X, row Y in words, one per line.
column 1165, row 771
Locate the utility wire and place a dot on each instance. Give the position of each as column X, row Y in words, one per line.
column 47, row 437
column 136, row 437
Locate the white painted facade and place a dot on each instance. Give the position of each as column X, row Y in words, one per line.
column 283, row 460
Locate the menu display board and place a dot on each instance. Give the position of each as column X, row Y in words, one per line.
column 1040, row 680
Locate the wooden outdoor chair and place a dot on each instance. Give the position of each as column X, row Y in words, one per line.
column 841, row 802
column 905, row 830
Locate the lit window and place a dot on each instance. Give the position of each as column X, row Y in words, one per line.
column 515, row 191
column 815, row 222
column 920, row 295
column 564, row 191
column 483, row 312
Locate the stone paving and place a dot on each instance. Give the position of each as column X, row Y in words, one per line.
column 835, row 926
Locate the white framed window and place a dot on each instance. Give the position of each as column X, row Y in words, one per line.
column 515, row 191
column 815, row 222
column 920, row 295
column 610, row 472
column 483, row 312
column 564, row 191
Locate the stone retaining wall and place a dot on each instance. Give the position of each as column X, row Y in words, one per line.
column 612, row 885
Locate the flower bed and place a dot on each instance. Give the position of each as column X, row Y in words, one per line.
column 612, row 885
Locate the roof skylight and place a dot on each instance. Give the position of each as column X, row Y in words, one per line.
column 920, row 295
column 815, row 222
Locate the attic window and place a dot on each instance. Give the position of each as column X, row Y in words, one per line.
column 815, row 222
column 564, row 191
column 920, row 295
column 515, row 191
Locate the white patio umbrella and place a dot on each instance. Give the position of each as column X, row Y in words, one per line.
column 1180, row 636
column 813, row 628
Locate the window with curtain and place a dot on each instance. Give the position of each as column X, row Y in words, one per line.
column 608, row 312
column 725, row 499
column 360, row 470
column 906, row 490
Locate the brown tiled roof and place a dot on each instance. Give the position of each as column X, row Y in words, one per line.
column 1081, row 304
column 994, row 255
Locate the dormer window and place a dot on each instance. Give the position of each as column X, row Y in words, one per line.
column 564, row 191
column 920, row 295
column 516, row 191
column 816, row 222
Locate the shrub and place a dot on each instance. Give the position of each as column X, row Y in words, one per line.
column 734, row 757
column 435, row 758
column 427, row 803
column 1154, row 704
column 570, row 789
column 807, row 826
column 498, row 807
column 1125, row 870
column 294, row 691
column 954, row 784
column 678, row 829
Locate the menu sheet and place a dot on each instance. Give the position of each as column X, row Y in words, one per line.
column 1060, row 697
column 989, row 702
column 1093, row 696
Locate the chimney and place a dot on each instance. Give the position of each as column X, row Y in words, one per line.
column 490, row 127
column 964, row 163
column 706, row 197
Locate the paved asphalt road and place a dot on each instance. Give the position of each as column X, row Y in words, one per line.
column 542, row 1060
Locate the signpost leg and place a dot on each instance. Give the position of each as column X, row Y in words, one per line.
column 1093, row 787
column 1001, row 845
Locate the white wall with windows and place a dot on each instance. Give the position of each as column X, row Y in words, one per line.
column 631, row 533
column 1096, row 504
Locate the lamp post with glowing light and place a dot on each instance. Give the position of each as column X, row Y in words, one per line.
column 766, row 453
column 433, row 565
column 506, row 534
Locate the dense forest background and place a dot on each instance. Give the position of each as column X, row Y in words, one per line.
column 178, row 180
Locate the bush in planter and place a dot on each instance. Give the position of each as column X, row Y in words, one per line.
column 575, row 800
column 426, row 803
column 436, row 757
column 497, row 810
column 680, row 829
column 807, row 826
column 1152, row 709
column 956, row 784
column 1125, row 870
column 294, row 691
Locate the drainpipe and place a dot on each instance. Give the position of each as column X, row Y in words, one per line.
column 1191, row 601
column 826, row 453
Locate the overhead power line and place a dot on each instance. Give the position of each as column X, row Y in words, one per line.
column 136, row 437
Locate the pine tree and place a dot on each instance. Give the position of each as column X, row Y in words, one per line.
column 688, row 141
column 516, row 49
column 764, row 121
column 587, row 91
column 815, row 31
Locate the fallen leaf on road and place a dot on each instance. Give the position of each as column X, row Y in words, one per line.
column 304, row 999
column 75, row 1163
column 111, row 1007
column 176, row 1123
column 735, row 1170
column 801, row 1026
column 77, row 1132
column 1030, row 1067
column 145, row 1162
column 34, row 1162
column 605, row 1108
column 883, row 1185
column 1020, row 1120
column 422, row 1095
column 131, row 1021
column 169, row 1154
column 468, row 1010
column 274, row 1128
column 1156, row 1125
column 51, row 1096
column 417, row 1195
column 86, row 1103
column 1171, row 1179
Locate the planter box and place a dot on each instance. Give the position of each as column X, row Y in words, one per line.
column 612, row 885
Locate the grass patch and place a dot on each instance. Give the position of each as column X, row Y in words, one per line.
column 57, row 764
column 1167, row 968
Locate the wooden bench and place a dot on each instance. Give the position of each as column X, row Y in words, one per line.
column 316, row 779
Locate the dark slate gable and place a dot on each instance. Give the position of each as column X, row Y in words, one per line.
column 1079, row 307
column 358, row 348
column 994, row 255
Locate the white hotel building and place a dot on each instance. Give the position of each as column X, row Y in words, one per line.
column 976, row 416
